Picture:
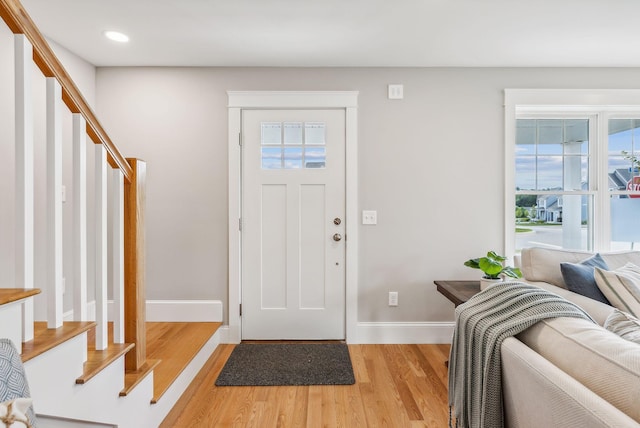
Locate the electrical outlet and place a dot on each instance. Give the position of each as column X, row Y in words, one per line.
column 393, row 298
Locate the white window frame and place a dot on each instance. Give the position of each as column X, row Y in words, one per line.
column 601, row 105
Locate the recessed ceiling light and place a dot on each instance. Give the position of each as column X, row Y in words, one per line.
column 116, row 36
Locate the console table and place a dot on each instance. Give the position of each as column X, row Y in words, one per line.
column 458, row 292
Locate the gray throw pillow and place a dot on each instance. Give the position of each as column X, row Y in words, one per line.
column 580, row 279
column 624, row 325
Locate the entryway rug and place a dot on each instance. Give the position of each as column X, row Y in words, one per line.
column 257, row 364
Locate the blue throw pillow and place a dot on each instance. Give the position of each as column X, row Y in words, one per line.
column 579, row 277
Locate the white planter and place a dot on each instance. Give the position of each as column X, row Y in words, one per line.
column 485, row 282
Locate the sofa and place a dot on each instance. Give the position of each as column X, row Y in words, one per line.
column 570, row 372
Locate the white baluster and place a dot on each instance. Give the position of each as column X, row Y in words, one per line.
column 54, row 203
column 79, row 218
column 101, row 246
column 117, row 275
column 24, row 178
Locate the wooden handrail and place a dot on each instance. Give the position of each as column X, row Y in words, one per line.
column 18, row 20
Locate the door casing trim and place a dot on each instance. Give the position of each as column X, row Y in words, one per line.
column 242, row 100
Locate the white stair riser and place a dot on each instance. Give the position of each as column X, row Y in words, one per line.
column 52, row 382
column 50, row 373
column 11, row 323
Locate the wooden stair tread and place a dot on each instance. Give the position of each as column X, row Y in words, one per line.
column 133, row 377
column 48, row 338
column 98, row 360
column 10, row 295
column 176, row 344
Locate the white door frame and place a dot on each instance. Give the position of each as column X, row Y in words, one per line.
column 347, row 100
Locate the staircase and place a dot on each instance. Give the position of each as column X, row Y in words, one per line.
column 75, row 306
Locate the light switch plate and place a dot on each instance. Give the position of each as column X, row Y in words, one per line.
column 369, row 217
column 393, row 298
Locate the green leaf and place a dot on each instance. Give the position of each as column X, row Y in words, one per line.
column 490, row 267
column 512, row 272
column 473, row 263
column 495, row 256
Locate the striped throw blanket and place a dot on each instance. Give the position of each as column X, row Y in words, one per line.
column 482, row 323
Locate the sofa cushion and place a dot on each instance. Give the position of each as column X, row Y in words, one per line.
column 622, row 287
column 624, row 325
column 543, row 264
column 579, row 277
column 602, row 361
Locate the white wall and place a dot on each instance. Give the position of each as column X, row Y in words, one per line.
column 431, row 165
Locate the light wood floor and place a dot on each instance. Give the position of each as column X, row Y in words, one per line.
column 396, row 386
column 175, row 345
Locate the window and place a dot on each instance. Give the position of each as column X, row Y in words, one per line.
column 572, row 173
column 293, row 145
column 623, row 176
column 553, row 199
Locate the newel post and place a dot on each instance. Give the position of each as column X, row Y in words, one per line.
column 134, row 265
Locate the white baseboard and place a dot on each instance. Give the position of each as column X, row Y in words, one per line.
column 379, row 332
column 184, row 310
column 229, row 334
column 404, row 332
column 168, row 311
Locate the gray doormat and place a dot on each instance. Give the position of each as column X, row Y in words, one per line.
column 252, row 364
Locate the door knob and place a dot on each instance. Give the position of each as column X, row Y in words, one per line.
column 337, row 237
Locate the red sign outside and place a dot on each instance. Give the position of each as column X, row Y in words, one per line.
column 634, row 184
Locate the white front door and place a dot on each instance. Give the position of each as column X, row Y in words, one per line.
column 293, row 225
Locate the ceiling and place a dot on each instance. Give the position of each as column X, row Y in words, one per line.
column 360, row 33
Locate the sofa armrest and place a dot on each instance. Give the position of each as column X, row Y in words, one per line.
column 600, row 360
column 538, row 394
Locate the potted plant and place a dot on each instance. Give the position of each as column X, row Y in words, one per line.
column 493, row 267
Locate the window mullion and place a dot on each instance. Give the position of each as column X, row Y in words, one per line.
column 602, row 204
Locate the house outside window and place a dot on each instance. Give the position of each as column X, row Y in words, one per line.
column 572, row 178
